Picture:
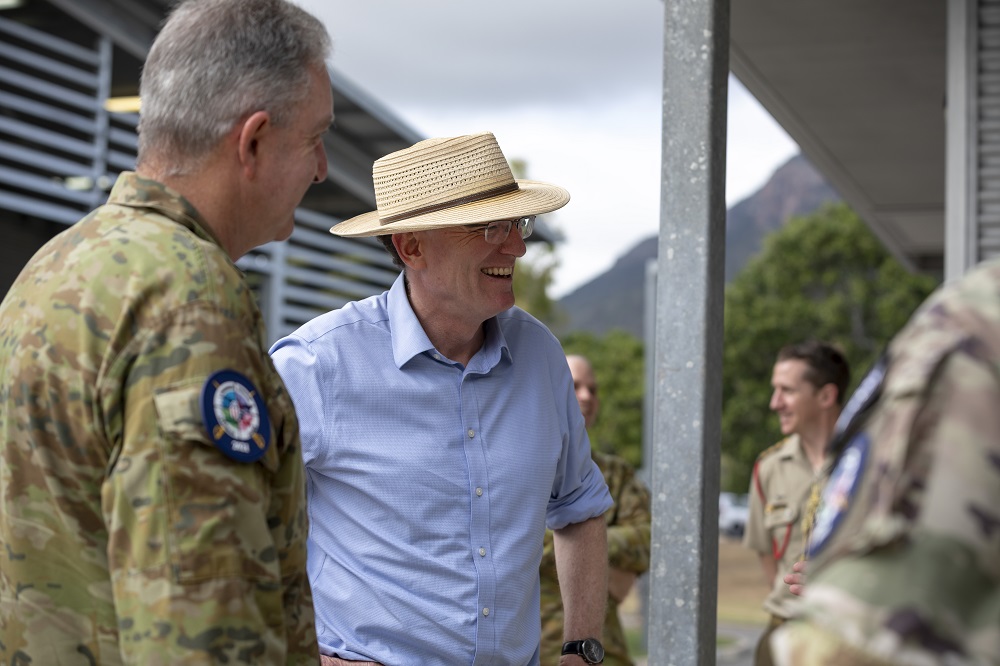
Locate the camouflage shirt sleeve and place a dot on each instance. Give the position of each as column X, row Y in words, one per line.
column 206, row 554
column 629, row 520
column 628, row 524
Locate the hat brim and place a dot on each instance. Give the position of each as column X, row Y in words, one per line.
column 531, row 198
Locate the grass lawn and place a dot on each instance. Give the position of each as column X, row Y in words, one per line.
column 741, row 592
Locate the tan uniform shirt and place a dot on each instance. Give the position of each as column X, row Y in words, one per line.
column 782, row 483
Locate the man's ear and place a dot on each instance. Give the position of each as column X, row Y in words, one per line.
column 410, row 248
column 250, row 133
column 827, row 396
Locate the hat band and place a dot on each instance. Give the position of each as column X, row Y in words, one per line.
column 488, row 194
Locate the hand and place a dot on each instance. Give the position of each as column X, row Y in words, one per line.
column 619, row 583
column 572, row 660
column 796, row 581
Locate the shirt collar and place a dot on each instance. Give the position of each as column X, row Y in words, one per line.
column 408, row 336
column 410, row 340
column 135, row 191
column 494, row 348
column 791, row 448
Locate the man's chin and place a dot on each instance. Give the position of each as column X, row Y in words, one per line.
column 285, row 232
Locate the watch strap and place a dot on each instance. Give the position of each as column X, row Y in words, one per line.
column 578, row 648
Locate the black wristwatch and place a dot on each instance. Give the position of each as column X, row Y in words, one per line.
column 590, row 649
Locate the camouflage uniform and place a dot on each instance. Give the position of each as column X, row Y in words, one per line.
column 905, row 553
column 628, row 549
column 127, row 536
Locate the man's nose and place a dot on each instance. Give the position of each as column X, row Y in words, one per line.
column 514, row 244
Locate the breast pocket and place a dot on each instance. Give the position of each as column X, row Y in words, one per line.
column 778, row 515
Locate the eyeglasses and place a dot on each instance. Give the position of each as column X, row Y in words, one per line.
column 496, row 232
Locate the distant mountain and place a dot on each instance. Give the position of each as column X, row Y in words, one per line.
column 614, row 299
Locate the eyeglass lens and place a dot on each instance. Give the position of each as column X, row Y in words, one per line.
column 498, row 231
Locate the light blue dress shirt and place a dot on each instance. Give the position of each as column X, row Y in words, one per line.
column 430, row 484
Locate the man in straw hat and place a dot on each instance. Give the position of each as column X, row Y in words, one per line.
column 441, row 432
column 152, row 494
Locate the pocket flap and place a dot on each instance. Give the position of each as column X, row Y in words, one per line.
column 778, row 515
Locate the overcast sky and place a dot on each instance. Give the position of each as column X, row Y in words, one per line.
column 572, row 87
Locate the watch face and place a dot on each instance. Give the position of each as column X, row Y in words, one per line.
column 592, row 651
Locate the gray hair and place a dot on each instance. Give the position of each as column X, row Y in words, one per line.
column 216, row 62
column 386, row 240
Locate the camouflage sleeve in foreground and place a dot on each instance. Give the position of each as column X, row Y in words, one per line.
column 909, row 572
column 207, row 555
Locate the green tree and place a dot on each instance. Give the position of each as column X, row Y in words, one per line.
column 823, row 276
column 617, row 359
column 532, row 279
column 533, row 272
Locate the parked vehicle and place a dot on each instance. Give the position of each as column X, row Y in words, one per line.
column 734, row 509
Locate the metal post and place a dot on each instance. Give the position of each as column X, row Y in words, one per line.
column 648, row 404
column 961, row 223
column 649, row 358
column 688, row 345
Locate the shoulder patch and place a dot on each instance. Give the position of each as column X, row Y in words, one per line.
column 235, row 416
column 771, row 450
column 859, row 405
column 838, row 492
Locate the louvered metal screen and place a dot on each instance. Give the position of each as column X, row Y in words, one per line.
column 59, row 148
column 314, row 271
column 60, row 152
column 988, row 130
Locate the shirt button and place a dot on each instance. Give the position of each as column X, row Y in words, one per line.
column 486, row 611
column 479, row 492
column 472, row 433
column 482, row 552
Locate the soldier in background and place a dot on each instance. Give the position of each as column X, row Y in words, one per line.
column 904, row 559
column 809, row 381
column 152, row 504
column 628, row 538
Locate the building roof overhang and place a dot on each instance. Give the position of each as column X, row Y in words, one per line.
column 860, row 86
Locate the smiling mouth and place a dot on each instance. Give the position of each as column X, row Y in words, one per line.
column 499, row 272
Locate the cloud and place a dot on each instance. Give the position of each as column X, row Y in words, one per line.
column 498, row 55
column 572, row 88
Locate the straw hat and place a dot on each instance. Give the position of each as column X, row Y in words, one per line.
column 439, row 183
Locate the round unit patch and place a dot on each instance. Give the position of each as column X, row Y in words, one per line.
column 235, row 416
column 839, row 490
